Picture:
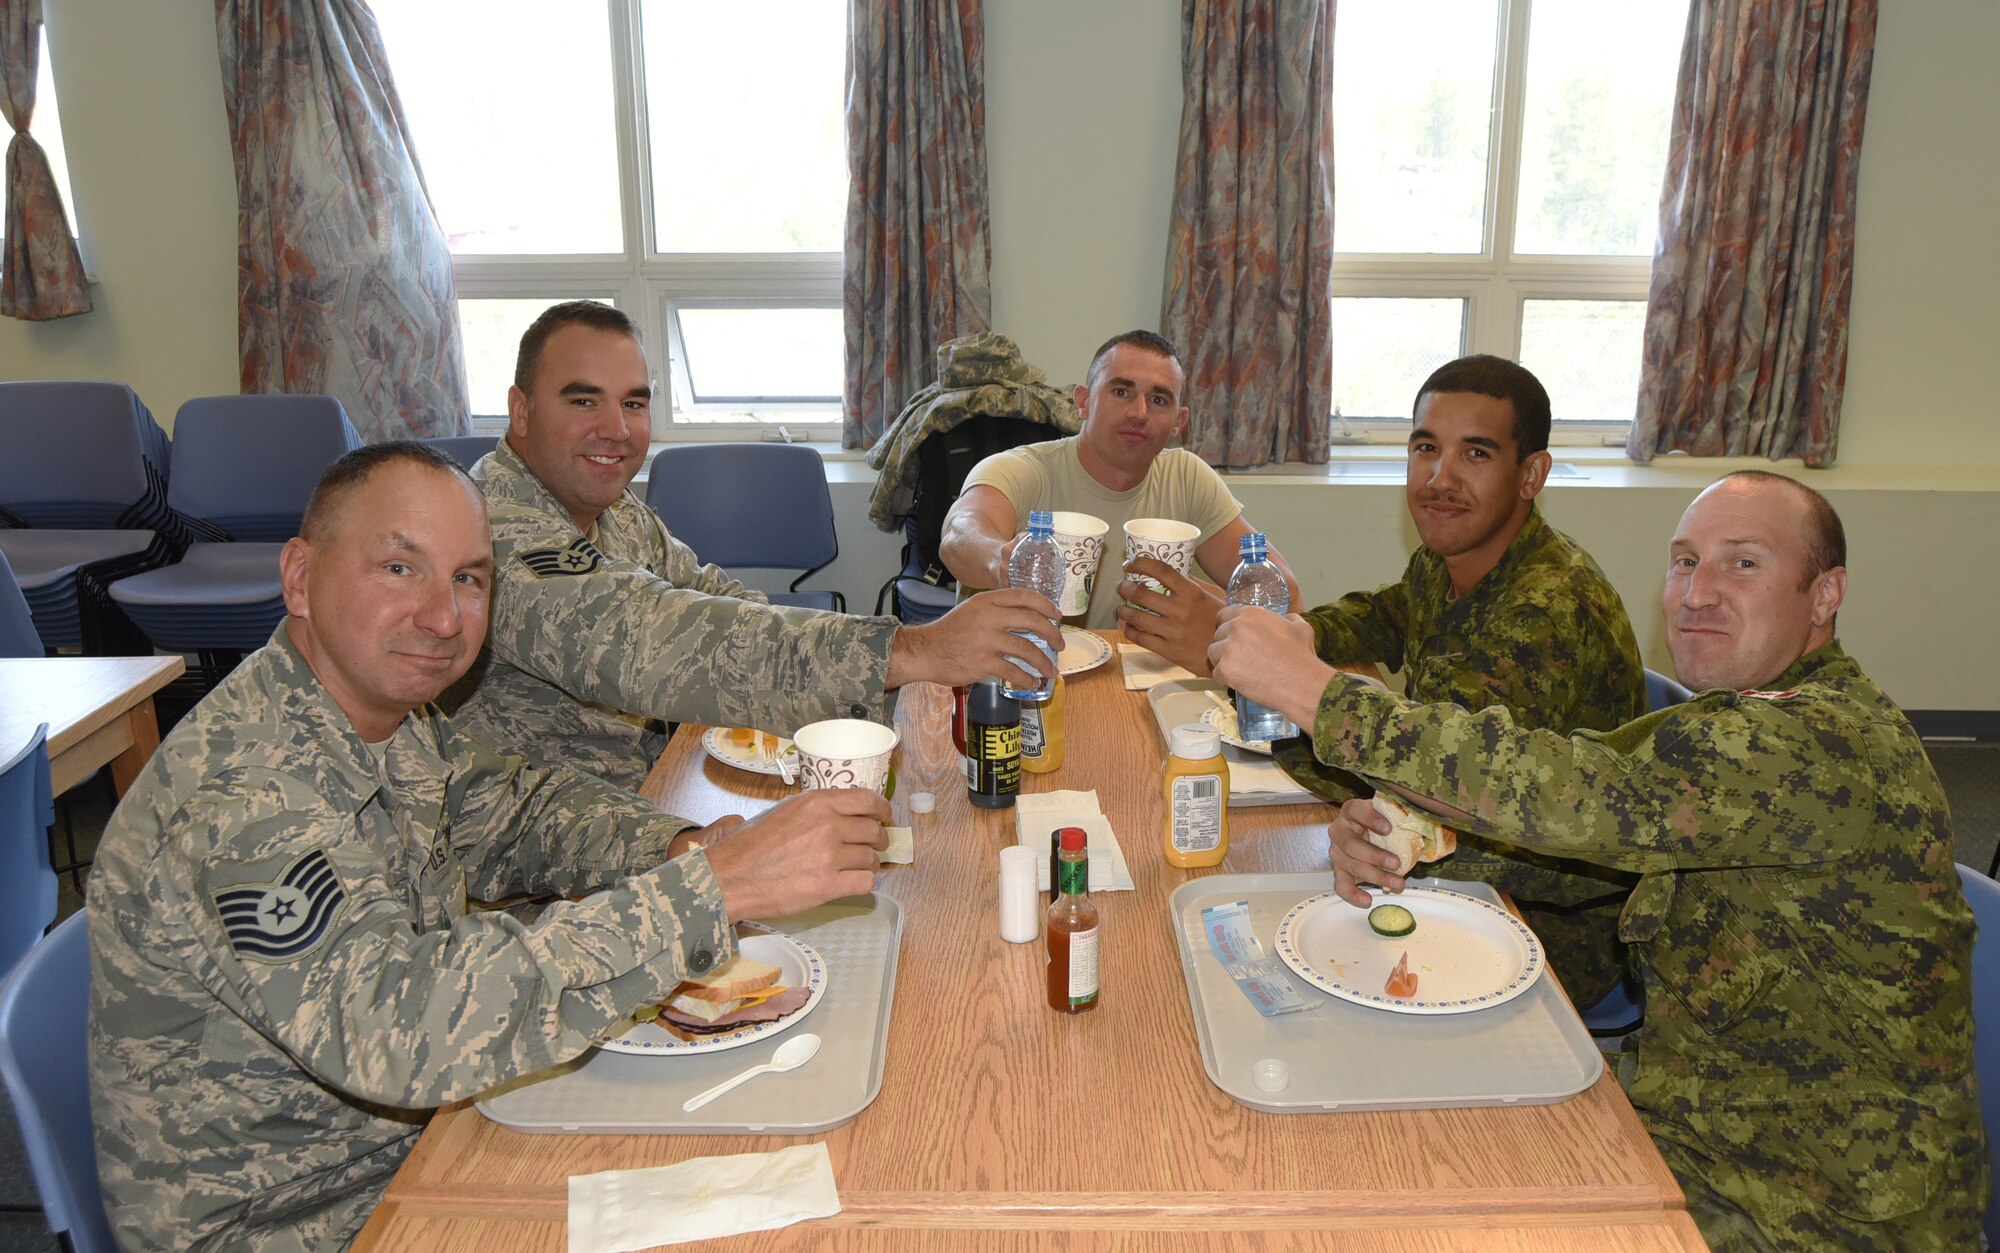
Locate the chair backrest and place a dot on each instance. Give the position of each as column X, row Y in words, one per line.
column 765, row 506
column 466, row 450
column 80, row 456
column 18, row 637
column 248, row 464
column 1662, row 691
column 1983, row 894
column 27, row 881
column 44, row 1059
column 943, row 461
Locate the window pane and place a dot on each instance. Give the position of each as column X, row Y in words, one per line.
column 47, row 130
column 492, row 333
column 744, row 104
column 747, row 356
column 510, row 111
column 1586, row 353
column 1383, row 350
column 1412, row 104
column 1600, row 86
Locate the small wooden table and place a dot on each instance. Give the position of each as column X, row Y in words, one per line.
column 99, row 709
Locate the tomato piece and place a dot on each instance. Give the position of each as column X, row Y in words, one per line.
column 1401, row 982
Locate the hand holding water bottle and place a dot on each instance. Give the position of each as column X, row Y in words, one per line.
column 1259, row 583
column 1037, row 564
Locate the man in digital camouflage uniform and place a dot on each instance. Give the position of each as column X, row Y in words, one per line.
column 1497, row 608
column 285, row 980
column 605, row 627
column 1806, row 1064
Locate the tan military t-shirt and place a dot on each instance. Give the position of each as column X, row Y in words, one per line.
column 1180, row 486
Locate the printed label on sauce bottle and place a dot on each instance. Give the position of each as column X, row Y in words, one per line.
column 1082, row 966
column 1195, row 808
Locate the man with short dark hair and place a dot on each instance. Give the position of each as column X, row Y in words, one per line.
column 605, row 627
column 1497, row 608
column 285, row 979
column 1116, row 467
column 1806, row 1063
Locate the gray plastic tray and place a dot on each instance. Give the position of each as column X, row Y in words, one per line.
column 1181, row 701
column 1532, row 1050
column 626, row 1094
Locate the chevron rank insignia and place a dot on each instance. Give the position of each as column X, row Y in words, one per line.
column 581, row 557
column 278, row 922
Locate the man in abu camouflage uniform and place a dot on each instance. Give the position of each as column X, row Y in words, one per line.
column 605, row 627
column 284, row 976
column 1497, row 608
column 1806, row 1064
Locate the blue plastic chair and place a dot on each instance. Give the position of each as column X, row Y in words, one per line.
column 44, row 1060
column 750, row 506
column 83, row 502
column 1662, row 691
column 245, row 466
column 1983, row 894
column 466, row 450
column 27, row 881
column 18, row 637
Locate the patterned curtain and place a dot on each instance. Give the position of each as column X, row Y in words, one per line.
column 41, row 276
column 914, row 270
column 344, row 279
column 1746, row 323
column 1250, row 249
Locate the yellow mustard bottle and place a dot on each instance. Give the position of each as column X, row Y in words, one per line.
column 1195, row 788
column 1042, row 732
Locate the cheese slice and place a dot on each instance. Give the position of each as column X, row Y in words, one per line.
column 709, row 1011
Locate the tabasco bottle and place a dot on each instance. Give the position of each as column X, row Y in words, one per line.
column 1072, row 930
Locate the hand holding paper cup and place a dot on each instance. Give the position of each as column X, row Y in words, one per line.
column 845, row 752
column 1082, row 540
column 1164, row 540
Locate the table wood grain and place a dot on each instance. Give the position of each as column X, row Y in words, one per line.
column 99, row 709
column 997, row 1113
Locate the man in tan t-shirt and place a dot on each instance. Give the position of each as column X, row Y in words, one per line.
column 1118, row 467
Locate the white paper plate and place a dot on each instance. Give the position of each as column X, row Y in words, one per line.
column 1082, row 650
column 802, row 967
column 1223, row 719
column 716, row 740
column 1467, row 954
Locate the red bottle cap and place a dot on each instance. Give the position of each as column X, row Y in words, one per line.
column 1073, row 839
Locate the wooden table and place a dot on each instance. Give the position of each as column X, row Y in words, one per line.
column 1001, row 1117
column 99, row 709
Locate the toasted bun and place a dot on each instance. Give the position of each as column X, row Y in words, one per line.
column 738, row 977
column 1414, row 837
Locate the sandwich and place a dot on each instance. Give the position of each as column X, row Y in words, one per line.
column 741, row 990
column 1413, row 836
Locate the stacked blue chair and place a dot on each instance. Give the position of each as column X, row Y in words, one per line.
column 45, row 1062
column 27, row 883
column 18, row 637
column 750, row 506
column 466, row 450
column 83, row 502
column 243, row 469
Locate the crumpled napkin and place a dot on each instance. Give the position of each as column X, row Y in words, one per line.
column 902, row 848
column 1145, row 668
column 1038, row 813
column 616, row 1211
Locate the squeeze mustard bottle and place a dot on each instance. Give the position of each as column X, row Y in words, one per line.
column 1042, row 732
column 1195, row 788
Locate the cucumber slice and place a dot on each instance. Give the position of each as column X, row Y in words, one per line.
column 1391, row 920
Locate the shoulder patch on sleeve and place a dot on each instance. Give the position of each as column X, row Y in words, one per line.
column 283, row 921
column 580, row 557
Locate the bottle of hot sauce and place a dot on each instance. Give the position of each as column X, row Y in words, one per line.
column 1072, row 930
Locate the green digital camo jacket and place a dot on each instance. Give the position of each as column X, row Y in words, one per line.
column 285, row 980
column 598, row 640
column 1545, row 635
column 1806, row 1062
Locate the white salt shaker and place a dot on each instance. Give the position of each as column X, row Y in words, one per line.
column 1020, row 898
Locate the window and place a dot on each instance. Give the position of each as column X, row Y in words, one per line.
column 1497, row 186
column 681, row 159
column 46, row 127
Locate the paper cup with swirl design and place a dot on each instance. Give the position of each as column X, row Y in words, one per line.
column 1164, row 540
column 1081, row 538
column 845, row 752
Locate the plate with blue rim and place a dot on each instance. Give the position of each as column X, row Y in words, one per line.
column 1467, row 954
column 799, row 966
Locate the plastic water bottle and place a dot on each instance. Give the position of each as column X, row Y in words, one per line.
column 1037, row 564
column 1258, row 582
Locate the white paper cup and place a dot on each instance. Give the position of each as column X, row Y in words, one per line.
column 1163, row 540
column 845, row 752
column 1082, row 540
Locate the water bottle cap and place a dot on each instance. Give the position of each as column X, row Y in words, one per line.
column 1041, row 520
column 1253, row 542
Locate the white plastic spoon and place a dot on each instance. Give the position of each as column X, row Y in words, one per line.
column 791, row 1055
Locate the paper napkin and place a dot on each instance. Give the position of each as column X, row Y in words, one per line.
column 616, row 1211
column 902, row 848
column 1038, row 813
column 1145, row 668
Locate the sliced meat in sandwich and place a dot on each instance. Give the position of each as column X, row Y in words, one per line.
column 1414, row 836
column 739, row 991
